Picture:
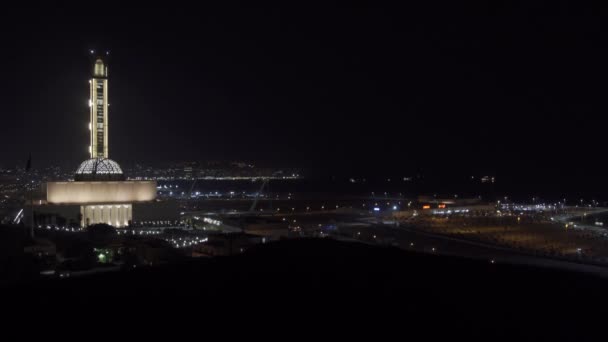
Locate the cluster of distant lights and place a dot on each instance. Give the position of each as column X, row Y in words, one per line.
column 171, row 192
column 531, row 207
column 386, row 194
column 376, row 207
column 138, row 232
column 61, row 228
column 120, row 231
column 211, row 221
column 186, row 242
column 252, row 178
column 450, row 211
column 163, row 223
column 323, row 207
column 175, row 242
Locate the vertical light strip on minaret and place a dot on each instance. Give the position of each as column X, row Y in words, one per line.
column 99, row 110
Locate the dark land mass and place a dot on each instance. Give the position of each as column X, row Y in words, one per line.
column 344, row 287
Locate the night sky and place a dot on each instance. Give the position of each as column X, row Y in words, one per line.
column 507, row 89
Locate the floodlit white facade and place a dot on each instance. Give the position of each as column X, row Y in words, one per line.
column 117, row 215
column 100, row 192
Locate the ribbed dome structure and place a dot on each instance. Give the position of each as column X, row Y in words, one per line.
column 99, row 169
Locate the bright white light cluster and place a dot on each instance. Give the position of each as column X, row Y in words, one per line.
column 448, row 212
column 187, row 241
column 139, row 232
column 212, row 221
column 531, row 207
column 61, row 228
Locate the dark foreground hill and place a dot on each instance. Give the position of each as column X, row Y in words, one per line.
column 337, row 284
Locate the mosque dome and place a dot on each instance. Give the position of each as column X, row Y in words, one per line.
column 99, row 169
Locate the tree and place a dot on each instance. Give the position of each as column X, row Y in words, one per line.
column 101, row 234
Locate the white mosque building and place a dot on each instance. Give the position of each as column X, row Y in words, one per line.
column 100, row 188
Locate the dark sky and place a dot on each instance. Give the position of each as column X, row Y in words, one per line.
column 500, row 88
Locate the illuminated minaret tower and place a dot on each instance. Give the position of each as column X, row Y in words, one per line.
column 100, row 188
column 98, row 103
